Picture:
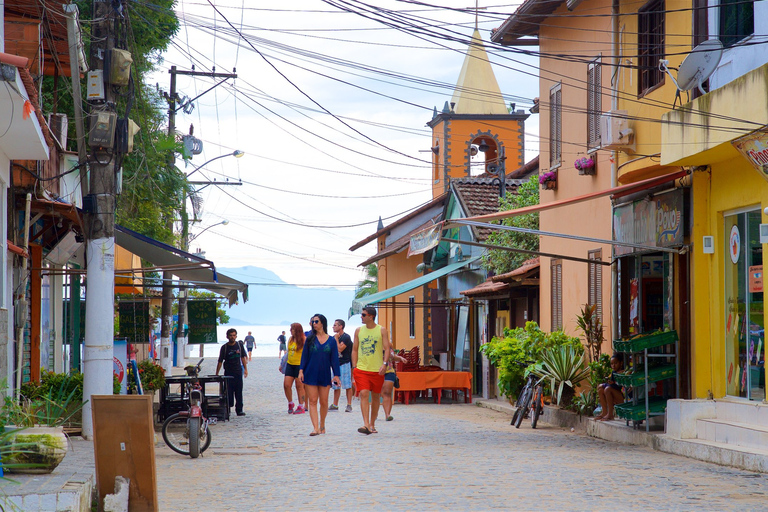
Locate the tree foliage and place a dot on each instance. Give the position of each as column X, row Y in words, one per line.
column 501, row 261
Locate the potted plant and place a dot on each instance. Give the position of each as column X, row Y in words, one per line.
column 548, row 180
column 151, row 374
column 564, row 367
column 585, row 165
column 36, row 427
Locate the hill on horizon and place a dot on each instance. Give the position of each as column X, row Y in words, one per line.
column 280, row 303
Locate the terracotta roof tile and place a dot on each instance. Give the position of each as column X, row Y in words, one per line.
column 480, row 196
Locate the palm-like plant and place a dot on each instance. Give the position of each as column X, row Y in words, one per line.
column 369, row 284
column 563, row 366
column 590, row 324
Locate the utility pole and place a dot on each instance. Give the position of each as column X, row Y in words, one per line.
column 100, row 226
column 166, row 348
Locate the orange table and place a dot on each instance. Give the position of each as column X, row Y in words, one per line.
column 436, row 381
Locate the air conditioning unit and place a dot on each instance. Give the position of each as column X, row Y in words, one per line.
column 615, row 132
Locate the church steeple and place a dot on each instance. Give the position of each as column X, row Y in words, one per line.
column 477, row 91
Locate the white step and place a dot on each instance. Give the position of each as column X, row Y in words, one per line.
column 751, row 459
column 728, row 432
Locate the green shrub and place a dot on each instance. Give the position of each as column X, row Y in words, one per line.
column 599, row 371
column 520, row 346
column 564, row 368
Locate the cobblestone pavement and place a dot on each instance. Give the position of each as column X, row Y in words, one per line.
column 431, row 457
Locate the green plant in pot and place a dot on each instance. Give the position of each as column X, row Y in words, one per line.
column 39, row 438
column 565, row 369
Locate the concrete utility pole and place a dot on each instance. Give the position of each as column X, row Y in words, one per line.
column 100, row 233
column 166, row 348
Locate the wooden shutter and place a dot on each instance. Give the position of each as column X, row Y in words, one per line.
column 412, row 316
column 594, row 103
column 557, row 295
column 555, row 126
column 595, row 285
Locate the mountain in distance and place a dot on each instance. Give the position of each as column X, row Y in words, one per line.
column 283, row 304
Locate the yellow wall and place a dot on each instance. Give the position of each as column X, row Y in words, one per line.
column 732, row 184
column 395, row 270
column 453, row 137
column 645, row 112
column 589, row 37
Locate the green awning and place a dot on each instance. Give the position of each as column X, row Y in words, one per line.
column 357, row 304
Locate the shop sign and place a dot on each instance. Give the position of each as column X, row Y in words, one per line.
column 754, row 147
column 734, row 244
column 425, row 240
column 202, row 321
column 653, row 223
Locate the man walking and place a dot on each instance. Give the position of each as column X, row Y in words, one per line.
column 370, row 354
column 250, row 344
column 345, row 345
column 283, row 347
column 235, row 362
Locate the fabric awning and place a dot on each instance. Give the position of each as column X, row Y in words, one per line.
column 357, row 304
column 196, row 270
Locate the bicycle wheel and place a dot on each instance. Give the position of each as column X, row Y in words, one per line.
column 526, row 403
column 194, row 437
column 176, row 433
column 519, row 404
column 538, row 398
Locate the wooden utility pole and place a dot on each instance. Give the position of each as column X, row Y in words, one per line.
column 99, row 206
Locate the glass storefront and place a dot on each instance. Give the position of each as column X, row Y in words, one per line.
column 744, row 324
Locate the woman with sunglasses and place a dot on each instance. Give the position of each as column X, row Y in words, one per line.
column 319, row 358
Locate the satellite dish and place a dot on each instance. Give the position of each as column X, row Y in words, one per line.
column 699, row 65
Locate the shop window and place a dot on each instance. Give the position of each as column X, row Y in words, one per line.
column 555, row 126
column 650, row 45
column 594, row 103
column 737, row 21
column 412, row 316
column 743, row 322
column 557, row 295
column 595, row 282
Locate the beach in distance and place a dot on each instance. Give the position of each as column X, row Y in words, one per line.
column 265, row 335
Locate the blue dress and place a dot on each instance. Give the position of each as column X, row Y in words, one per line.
column 318, row 360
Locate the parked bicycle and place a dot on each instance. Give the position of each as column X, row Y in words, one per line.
column 187, row 432
column 530, row 401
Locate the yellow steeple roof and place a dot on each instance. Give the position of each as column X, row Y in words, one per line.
column 477, row 91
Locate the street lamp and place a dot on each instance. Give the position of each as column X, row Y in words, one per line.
column 222, row 223
column 236, row 153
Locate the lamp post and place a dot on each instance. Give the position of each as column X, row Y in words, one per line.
column 181, row 339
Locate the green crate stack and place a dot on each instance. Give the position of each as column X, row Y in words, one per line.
column 642, row 342
column 631, row 412
column 654, row 374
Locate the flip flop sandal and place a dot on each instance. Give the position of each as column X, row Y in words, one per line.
column 364, row 430
column 312, row 434
column 374, row 431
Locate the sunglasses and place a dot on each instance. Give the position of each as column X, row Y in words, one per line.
column 315, row 321
column 363, row 315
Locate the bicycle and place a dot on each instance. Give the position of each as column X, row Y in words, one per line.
column 187, row 432
column 531, row 398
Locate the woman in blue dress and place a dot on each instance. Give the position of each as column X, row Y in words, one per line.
column 319, row 358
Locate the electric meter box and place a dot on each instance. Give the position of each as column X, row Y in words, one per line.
column 120, row 67
column 95, row 86
column 125, row 132
column 102, row 133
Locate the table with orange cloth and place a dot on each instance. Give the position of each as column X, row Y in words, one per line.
column 436, row 381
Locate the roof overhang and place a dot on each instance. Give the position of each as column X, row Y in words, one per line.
column 199, row 272
column 525, row 22
column 357, row 304
column 22, row 134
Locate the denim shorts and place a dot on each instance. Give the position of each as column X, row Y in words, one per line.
column 390, row 377
column 345, row 377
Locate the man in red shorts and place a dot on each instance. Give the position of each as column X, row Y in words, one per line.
column 370, row 353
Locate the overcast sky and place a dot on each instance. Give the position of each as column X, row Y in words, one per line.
column 330, row 109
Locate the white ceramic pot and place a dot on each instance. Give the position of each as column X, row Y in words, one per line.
column 35, row 450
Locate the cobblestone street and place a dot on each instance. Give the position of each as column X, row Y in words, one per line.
column 430, row 457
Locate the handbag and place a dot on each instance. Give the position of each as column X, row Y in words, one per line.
column 397, row 382
column 283, row 363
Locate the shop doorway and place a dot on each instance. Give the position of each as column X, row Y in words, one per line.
column 744, row 324
column 645, row 291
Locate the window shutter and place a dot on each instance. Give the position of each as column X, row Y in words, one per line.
column 595, row 285
column 557, row 295
column 555, row 126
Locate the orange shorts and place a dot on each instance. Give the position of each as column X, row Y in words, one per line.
column 371, row 381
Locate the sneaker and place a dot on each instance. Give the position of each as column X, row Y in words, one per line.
column 299, row 410
column 333, row 407
column 348, row 409
column 290, row 407
column 241, row 413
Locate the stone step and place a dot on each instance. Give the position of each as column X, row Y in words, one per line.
column 742, row 411
column 751, row 459
column 735, row 433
